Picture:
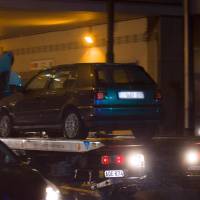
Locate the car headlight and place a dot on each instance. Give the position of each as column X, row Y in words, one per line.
column 192, row 157
column 136, row 160
column 52, row 192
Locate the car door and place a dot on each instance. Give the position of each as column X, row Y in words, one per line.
column 28, row 109
column 60, row 93
column 8, row 162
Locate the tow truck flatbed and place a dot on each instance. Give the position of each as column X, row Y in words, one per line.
column 57, row 145
column 90, row 144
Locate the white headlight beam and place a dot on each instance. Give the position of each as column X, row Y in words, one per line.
column 192, row 157
column 136, row 160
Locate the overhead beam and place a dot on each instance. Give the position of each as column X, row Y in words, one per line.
column 147, row 9
column 88, row 5
column 54, row 5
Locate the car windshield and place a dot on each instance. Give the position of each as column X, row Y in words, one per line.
column 122, row 75
column 6, row 155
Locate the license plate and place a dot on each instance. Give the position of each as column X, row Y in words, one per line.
column 131, row 95
column 114, row 173
column 194, row 168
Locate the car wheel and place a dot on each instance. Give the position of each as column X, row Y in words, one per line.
column 73, row 127
column 5, row 126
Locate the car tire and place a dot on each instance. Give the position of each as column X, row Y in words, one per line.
column 5, row 126
column 73, row 126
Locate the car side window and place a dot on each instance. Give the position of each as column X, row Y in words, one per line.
column 102, row 76
column 65, row 78
column 120, row 76
column 6, row 157
column 40, row 81
column 85, row 75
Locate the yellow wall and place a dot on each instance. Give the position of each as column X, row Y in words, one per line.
column 67, row 46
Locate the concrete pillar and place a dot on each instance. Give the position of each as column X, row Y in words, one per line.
column 153, row 46
column 166, row 57
column 171, row 73
column 110, row 31
column 196, row 60
column 188, row 70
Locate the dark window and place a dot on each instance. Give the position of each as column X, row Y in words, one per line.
column 40, row 81
column 102, row 76
column 122, row 75
column 65, row 78
column 85, row 75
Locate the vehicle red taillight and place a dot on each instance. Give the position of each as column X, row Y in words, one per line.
column 100, row 95
column 158, row 95
column 119, row 160
column 105, row 160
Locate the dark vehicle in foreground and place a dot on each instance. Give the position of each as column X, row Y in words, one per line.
column 81, row 97
column 19, row 182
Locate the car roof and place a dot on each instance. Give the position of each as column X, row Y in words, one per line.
column 94, row 64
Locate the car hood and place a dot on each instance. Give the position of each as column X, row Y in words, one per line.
column 20, row 182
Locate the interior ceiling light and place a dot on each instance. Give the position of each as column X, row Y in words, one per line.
column 89, row 39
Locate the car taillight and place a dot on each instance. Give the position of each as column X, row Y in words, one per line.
column 158, row 95
column 100, row 95
column 105, row 160
column 119, row 160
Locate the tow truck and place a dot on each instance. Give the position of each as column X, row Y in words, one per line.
column 119, row 163
column 111, row 164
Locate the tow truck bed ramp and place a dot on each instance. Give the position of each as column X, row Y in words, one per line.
column 59, row 145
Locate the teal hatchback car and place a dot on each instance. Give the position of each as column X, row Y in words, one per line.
column 79, row 98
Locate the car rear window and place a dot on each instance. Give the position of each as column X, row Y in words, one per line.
column 122, row 75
